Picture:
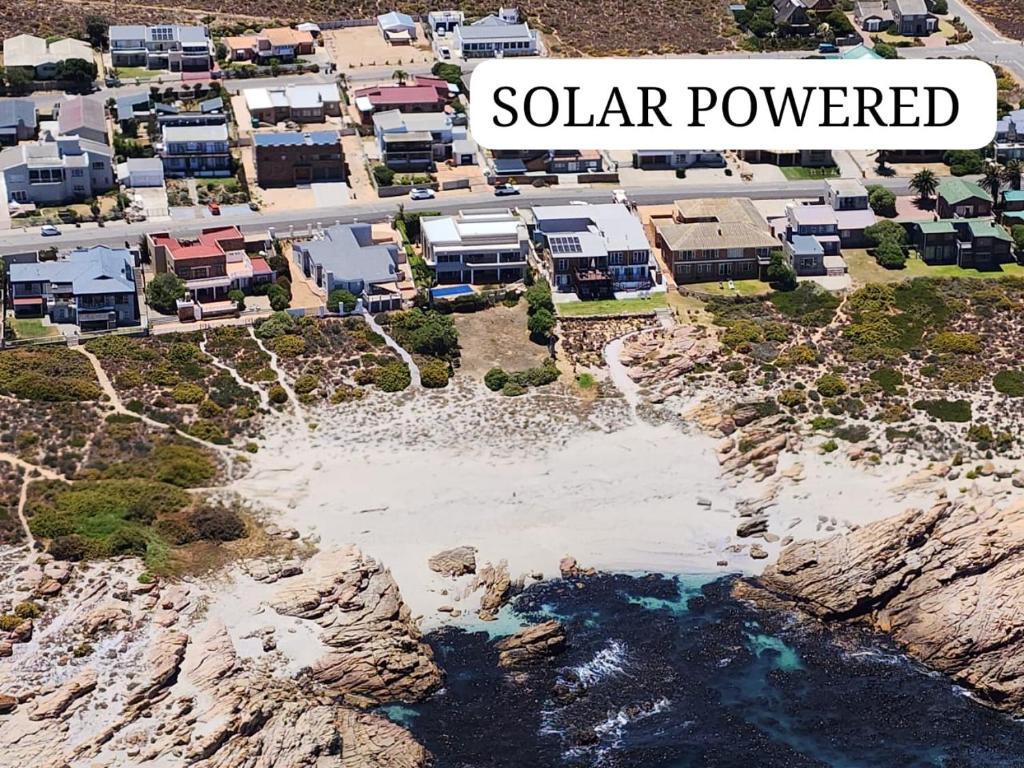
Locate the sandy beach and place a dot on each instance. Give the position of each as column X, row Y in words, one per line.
column 526, row 481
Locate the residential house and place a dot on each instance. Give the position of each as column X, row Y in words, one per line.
column 806, row 158
column 715, row 239
column 911, row 18
column 810, row 239
column 346, row 257
column 494, row 37
column 476, row 247
column 56, row 170
column 594, row 250
column 792, row 14
column 82, row 116
column 212, row 265
column 849, row 199
column 574, row 161
column 173, row 47
column 464, row 151
column 195, row 150
column 298, row 103
column 290, row 159
column 444, row 22
column 282, row 43
column 970, row 243
column 415, row 141
column 675, row 159
column 132, row 109
column 872, row 15
column 40, row 59
column 93, row 288
column 1013, row 207
column 17, row 121
column 963, row 199
column 408, row 99
column 1009, row 140
column 139, row 172
column 397, row 28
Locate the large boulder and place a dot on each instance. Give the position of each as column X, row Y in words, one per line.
column 531, row 645
column 454, row 562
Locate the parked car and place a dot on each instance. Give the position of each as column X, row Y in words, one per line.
column 422, row 193
column 828, row 48
column 49, row 230
column 444, row 52
column 506, row 189
column 214, row 209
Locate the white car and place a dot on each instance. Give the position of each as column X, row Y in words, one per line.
column 422, row 193
column 48, row 230
column 444, row 52
column 506, row 189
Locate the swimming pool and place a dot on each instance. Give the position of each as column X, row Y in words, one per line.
column 448, row 291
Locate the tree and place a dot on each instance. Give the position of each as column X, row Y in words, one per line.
column 941, row 7
column 96, row 31
column 885, row 50
column 780, row 274
column 1018, row 237
column 825, row 33
column 400, row 76
column 881, row 200
column 540, row 324
column 992, row 179
column 890, row 255
column 1011, row 173
column 164, row 291
column 238, row 298
column 450, row 72
column 838, row 23
column 383, row 175
column 924, row 182
column 538, row 296
column 964, row 162
column 496, row 378
column 76, row 71
column 885, row 231
column 279, row 298
column 18, row 80
column 345, row 300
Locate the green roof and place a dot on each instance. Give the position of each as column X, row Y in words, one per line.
column 935, row 227
column 860, row 52
column 957, row 190
column 1013, row 195
column 985, row 228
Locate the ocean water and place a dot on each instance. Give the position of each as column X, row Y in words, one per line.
column 671, row 672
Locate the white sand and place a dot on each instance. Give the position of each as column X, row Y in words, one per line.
column 618, row 498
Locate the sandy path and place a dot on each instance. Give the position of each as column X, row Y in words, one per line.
column 414, row 370
column 260, row 392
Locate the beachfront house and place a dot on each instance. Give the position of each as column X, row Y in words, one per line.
column 1009, row 140
column 56, row 170
column 676, row 159
column 93, row 288
column 964, row 199
column 174, row 47
column 849, row 199
column 195, row 150
column 477, row 247
column 594, row 250
column 347, row 257
column 977, row 243
column 495, row 37
column 415, row 142
column 298, row 103
column 712, row 239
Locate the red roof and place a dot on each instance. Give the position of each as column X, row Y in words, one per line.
column 401, row 94
column 260, row 267
column 199, row 251
column 214, row 236
column 28, row 301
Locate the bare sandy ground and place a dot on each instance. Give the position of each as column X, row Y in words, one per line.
column 531, row 480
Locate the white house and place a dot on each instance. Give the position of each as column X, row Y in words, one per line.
column 397, row 28
column 478, row 247
column 493, row 36
column 139, row 172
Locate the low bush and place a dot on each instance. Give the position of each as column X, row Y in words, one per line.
column 1009, row 383
column 393, row 377
column 495, row 379
column 214, row 522
column 831, row 385
column 434, row 374
column 946, row 410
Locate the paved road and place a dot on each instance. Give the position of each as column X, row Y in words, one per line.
column 115, row 233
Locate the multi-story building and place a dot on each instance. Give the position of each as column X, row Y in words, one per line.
column 57, row 170
column 716, row 239
column 416, row 141
column 407, row 99
column 93, row 288
column 958, row 198
column 675, row 159
column 594, row 250
column 1009, row 141
column 281, row 43
column 289, row 159
column 195, row 150
column 494, row 36
column 173, row 47
column 912, row 18
column 977, row 243
column 346, row 257
column 810, row 239
column 849, row 199
column 298, row 103
column 82, row 116
column 477, row 247
column 212, row 265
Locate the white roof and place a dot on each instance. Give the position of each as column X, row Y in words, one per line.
column 195, row 133
column 620, row 229
column 396, row 20
column 32, row 51
column 293, row 96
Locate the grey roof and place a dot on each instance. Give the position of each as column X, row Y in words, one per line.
column 493, row 28
column 348, row 252
column 395, row 19
column 78, row 112
column 128, row 32
column 67, row 151
column 807, row 244
column 813, row 215
column 296, row 139
column 195, row 133
column 911, row 7
column 144, row 164
column 212, row 105
column 95, row 270
column 395, row 120
column 613, row 223
column 126, row 105
column 464, row 147
column 15, row 111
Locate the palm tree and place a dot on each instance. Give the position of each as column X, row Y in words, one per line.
column 992, row 179
column 924, row 182
column 1011, row 173
column 400, row 75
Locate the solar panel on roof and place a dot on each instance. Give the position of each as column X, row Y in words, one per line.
column 565, row 244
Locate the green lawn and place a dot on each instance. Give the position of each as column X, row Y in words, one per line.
column 612, row 306
column 864, row 269
column 130, row 73
column 800, row 173
column 31, row 328
column 742, row 288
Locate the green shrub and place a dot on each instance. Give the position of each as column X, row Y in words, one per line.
column 278, row 324
column 792, row 398
column 306, row 383
column 9, row 622
column 188, row 394
column 946, row 410
column 1009, row 382
column 513, row 389
column 425, row 332
column 71, row 547
column 538, row 297
column 890, row 255
column 888, row 379
column 831, row 385
column 341, row 299
column 829, row 446
column 434, row 374
column 809, row 304
column 495, row 379
column 956, row 343
column 28, row 610
column 163, row 291
column 217, row 523
column 288, row 346
column 393, row 377
column 541, row 323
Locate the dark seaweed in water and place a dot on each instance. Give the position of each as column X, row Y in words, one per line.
column 673, row 673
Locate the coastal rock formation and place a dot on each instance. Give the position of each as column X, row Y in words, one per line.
column 946, row 583
column 376, row 651
column 531, row 645
column 496, row 583
column 454, row 562
column 656, row 359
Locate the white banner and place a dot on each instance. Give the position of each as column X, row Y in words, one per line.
column 732, row 103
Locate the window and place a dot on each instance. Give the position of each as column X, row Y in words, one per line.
column 98, row 166
column 77, row 172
